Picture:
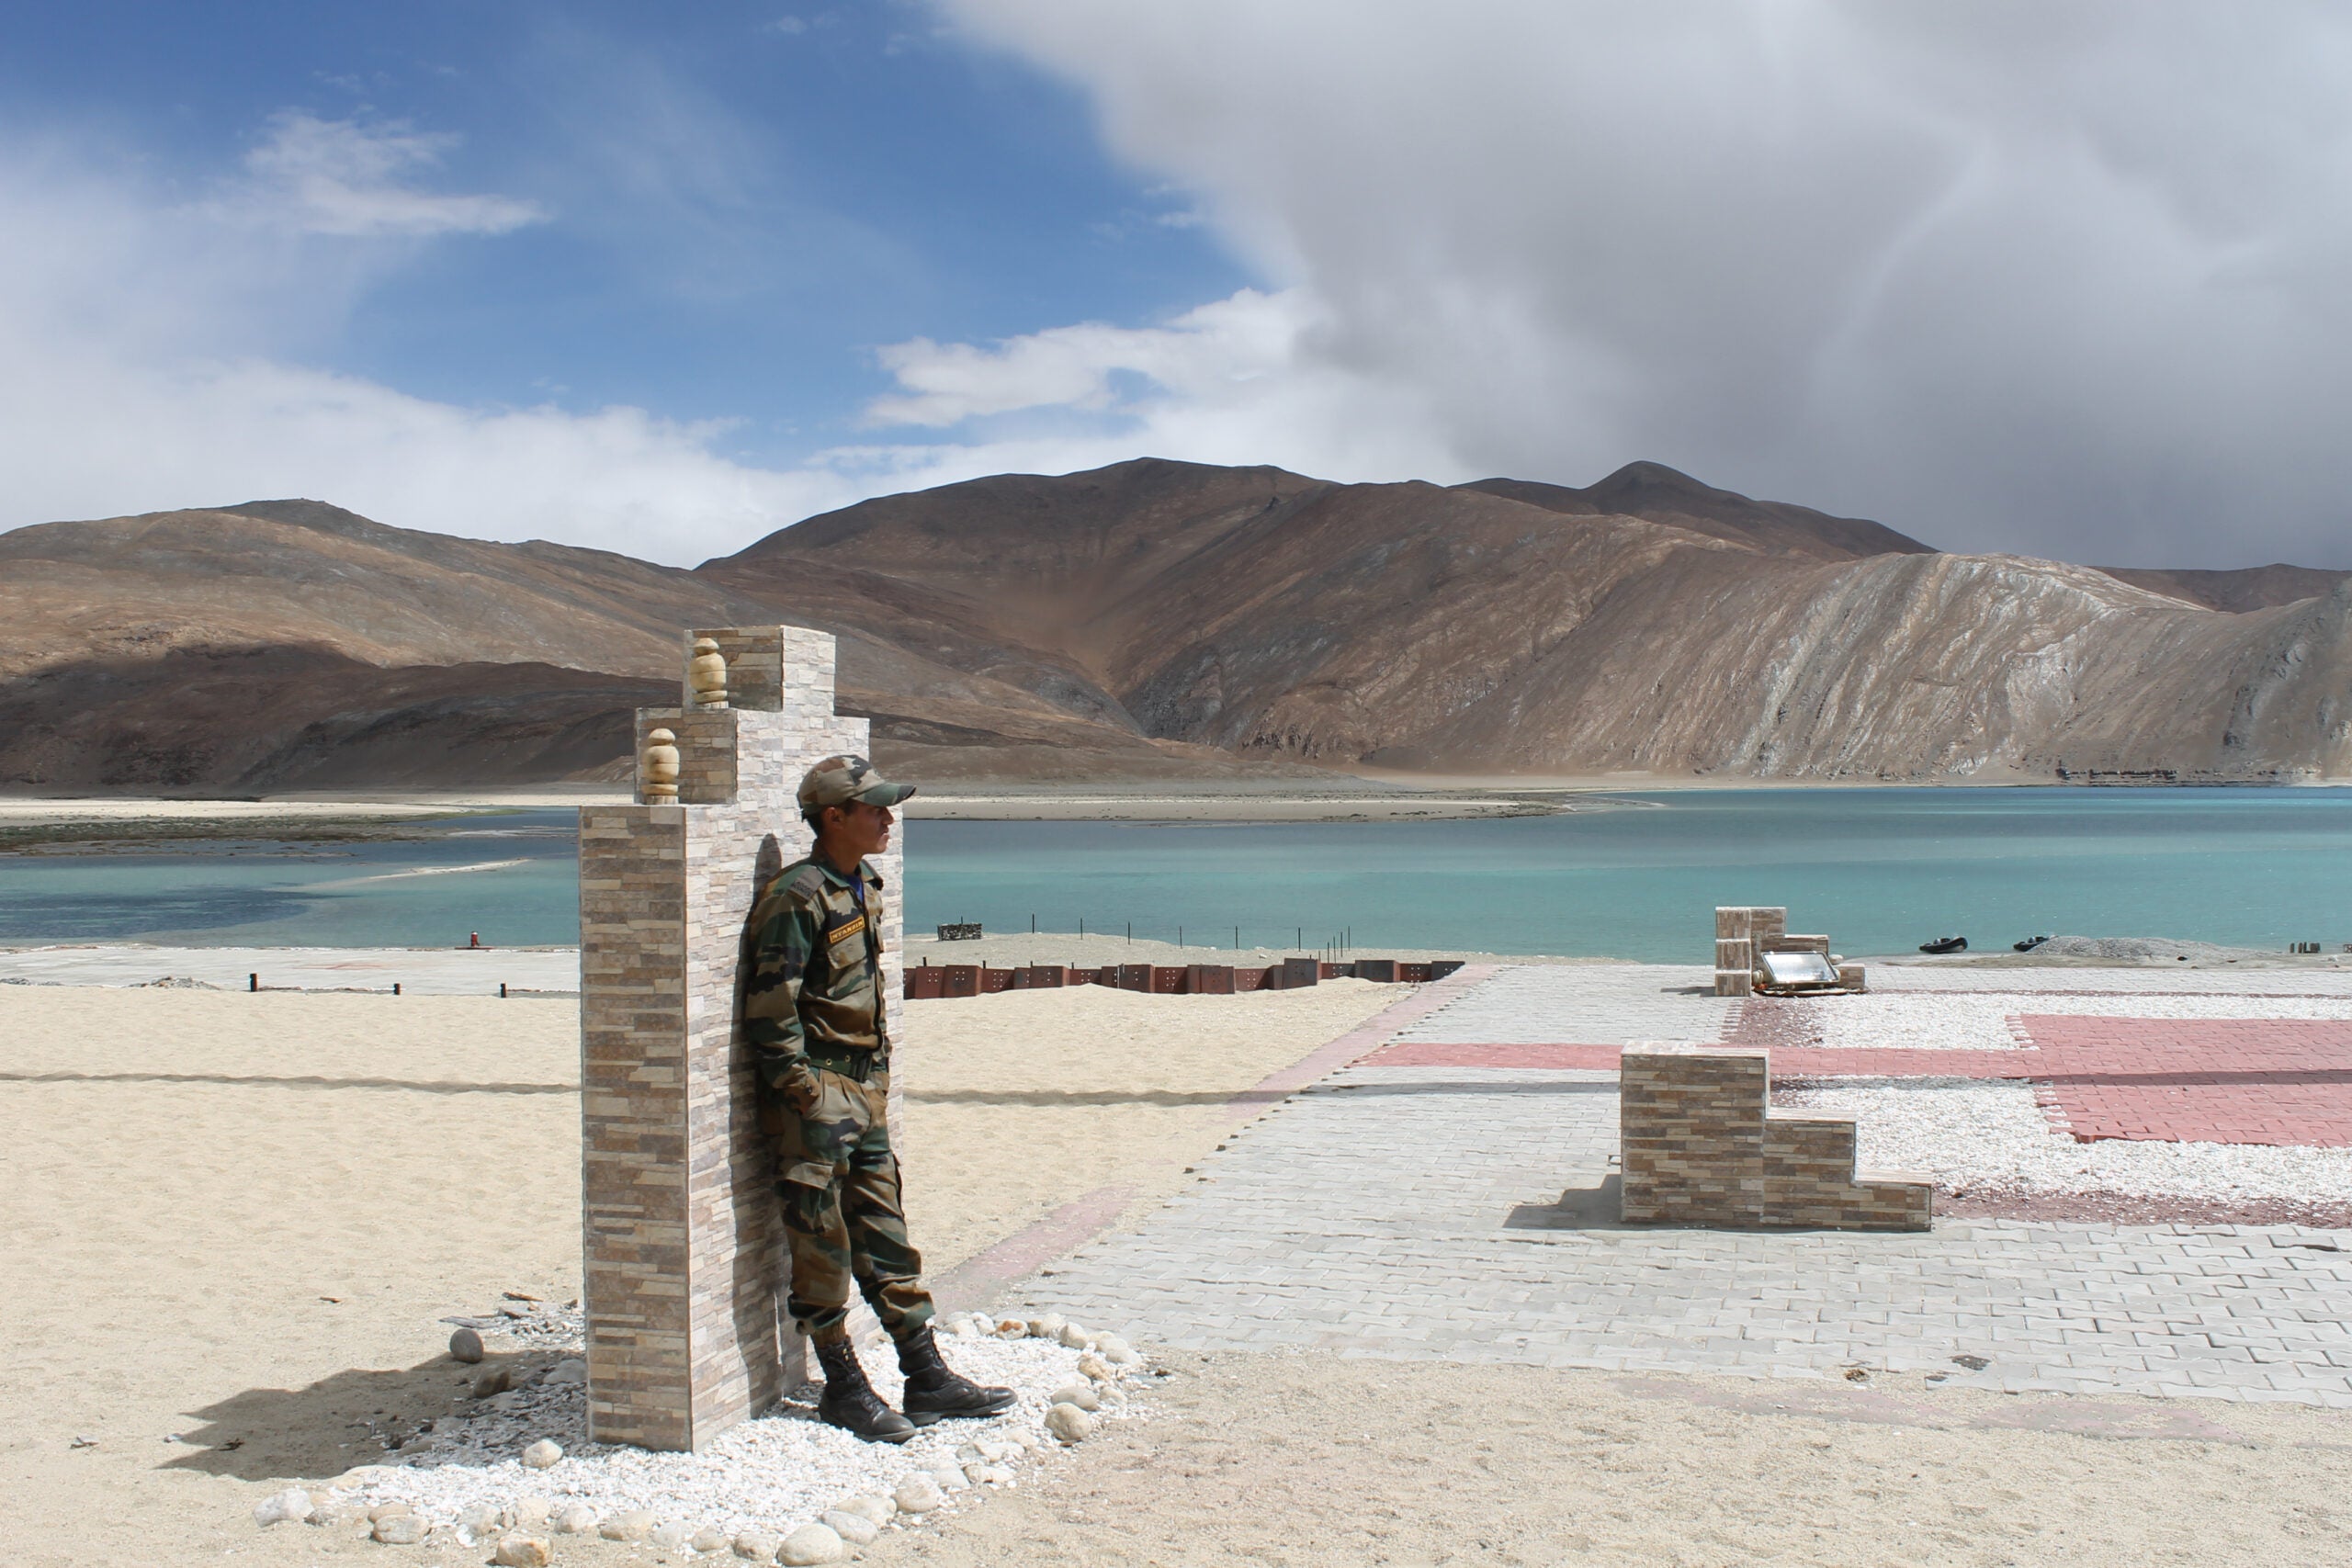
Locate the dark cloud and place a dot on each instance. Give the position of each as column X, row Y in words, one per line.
column 2063, row 279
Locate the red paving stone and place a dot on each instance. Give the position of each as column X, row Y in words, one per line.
column 2223, row 1080
column 2216, row 1080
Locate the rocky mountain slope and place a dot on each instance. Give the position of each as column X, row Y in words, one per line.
column 1158, row 619
column 1502, row 627
column 289, row 645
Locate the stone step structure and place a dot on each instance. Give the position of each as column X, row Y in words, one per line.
column 1699, row 1144
column 684, row 1256
column 1745, row 933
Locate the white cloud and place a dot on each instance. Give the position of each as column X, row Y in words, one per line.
column 2066, row 279
column 342, row 177
column 153, row 355
column 151, row 358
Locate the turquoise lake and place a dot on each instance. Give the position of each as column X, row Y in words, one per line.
column 1881, row 870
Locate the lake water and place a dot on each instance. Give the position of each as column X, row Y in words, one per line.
column 1882, row 870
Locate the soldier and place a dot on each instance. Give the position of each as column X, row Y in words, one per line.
column 814, row 1017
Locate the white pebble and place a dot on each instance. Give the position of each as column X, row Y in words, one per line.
column 918, row 1494
column 711, row 1538
column 872, row 1509
column 1073, row 1337
column 399, row 1529
column 809, row 1545
column 1116, row 1351
column 543, row 1454
column 574, row 1518
column 634, row 1525
column 523, row 1552
column 759, row 1546
column 671, row 1537
column 1081, row 1395
column 1093, row 1366
column 855, row 1529
column 1068, row 1423
column 1050, row 1326
column 573, row 1370
column 292, row 1506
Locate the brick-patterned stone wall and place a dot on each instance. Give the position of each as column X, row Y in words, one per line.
column 684, row 1256
column 1690, row 1136
column 1741, row 932
column 1699, row 1145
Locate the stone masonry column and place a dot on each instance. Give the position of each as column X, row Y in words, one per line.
column 684, row 1249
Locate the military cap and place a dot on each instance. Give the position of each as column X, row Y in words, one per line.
column 837, row 781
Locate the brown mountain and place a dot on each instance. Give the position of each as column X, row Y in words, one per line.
column 1659, row 494
column 1158, row 619
column 289, row 643
column 2247, row 588
column 1506, row 628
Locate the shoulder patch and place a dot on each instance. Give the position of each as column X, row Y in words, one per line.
column 807, row 882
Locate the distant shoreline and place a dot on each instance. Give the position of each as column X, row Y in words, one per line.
column 30, row 822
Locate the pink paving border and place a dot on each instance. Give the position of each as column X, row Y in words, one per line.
column 980, row 1278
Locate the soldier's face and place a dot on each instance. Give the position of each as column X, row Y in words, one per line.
column 864, row 829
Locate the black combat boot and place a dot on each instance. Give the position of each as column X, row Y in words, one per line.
column 850, row 1401
column 935, row 1393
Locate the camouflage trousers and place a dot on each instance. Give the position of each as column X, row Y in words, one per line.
column 842, row 1217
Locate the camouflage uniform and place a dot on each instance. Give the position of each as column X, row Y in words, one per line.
column 813, row 1015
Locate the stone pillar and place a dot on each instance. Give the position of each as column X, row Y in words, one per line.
column 684, row 1245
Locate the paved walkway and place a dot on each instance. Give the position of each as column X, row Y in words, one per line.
column 1417, row 1210
column 2252, row 1080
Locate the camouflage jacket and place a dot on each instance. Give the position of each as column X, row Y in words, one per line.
column 815, row 976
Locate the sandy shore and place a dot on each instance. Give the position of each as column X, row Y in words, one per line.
column 236, row 1219
column 239, row 1218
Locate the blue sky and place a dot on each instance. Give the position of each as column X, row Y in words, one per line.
column 2068, row 281
column 742, row 202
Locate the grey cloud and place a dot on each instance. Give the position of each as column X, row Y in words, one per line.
column 2066, row 279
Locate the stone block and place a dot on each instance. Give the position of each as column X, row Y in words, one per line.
column 1168, row 980
column 1209, row 979
column 1699, row 1146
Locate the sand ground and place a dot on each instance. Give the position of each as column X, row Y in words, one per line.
column 235, row 1219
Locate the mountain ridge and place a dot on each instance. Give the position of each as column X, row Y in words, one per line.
column 1164, row 619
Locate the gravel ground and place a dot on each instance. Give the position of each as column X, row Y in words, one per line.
column 2328, row 976
column 1977, row 1136
column 1980, row 1022
column 769, row 1475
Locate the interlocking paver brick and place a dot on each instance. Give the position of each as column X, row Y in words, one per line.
column 1390, row 1210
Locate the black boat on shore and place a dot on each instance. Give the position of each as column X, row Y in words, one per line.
column 1945, row 945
